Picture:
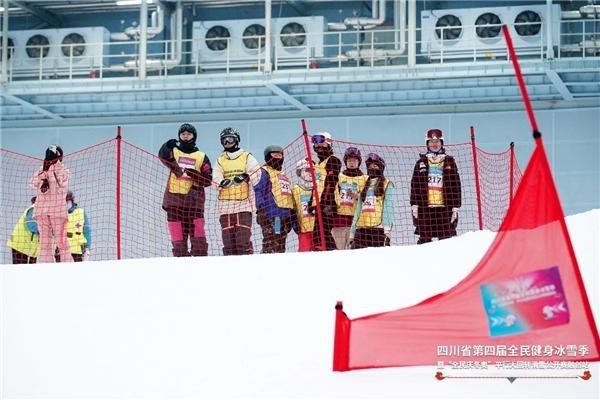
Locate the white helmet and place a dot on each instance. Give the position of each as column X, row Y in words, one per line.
column 322, row 137
column 303, row 170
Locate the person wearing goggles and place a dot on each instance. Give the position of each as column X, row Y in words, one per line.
column 327, row 172
column 184, row 198
column 435, row 191
column 237, row 171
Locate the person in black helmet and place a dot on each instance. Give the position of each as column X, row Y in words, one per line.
column 374, row 215
column 184, row 198
column 274, row 202
column 237, row 171
column 435, row 191
column 52, row 184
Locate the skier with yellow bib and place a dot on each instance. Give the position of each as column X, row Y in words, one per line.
column 79, row 233
column 274, row 202
column 303, row 220
column 190, row 173
column 327, row 173
column 236, row 171
column 374, row 215
column 350, row 184
column 24, row 240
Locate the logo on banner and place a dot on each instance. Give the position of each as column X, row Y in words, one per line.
column 530, row 301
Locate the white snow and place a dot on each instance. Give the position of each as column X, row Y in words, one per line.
column 252, row 326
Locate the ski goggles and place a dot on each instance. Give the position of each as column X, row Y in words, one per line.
column 228, row 140
column 276, row 154
column 318, row 139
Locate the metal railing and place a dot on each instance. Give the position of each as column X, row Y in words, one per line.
column 336, row 49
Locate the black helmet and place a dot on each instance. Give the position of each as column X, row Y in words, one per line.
column 272, row 149
column 53, row 152
column 230, row 133
column 188, row 128
column 354, row 153
column 374, row 158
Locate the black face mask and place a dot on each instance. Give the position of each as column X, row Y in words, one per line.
column 374, row 172
column 187, row 147
column 323, row 152
column 275, row 163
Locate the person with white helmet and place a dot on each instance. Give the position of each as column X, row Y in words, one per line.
column 237, row 171
column 374, row 215
column 52, row 184
column 435, row 191
column 274, row 203
column 350, row 184
column 327, row 173
column 184, row 197
column 303, row 220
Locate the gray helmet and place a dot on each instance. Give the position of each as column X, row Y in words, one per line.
column 230, row 133
column 272, row 149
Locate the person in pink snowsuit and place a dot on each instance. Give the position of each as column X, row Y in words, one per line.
column 52, row 184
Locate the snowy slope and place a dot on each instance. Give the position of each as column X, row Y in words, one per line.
column 257, row 326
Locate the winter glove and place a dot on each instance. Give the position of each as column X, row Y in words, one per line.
column 225, row 183
column 45, row 186
column 454, row 217
column 178, row 172
column 386, row 241
column 415, row 211
column 328, row 211
column 261, row 218
column 241, row 179
column 192, row 173
column 171, row 144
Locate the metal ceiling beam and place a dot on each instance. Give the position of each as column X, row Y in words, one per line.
column 353, row 112
column 28, row 105
column 299, row 6
column 50, row 19
column 559, row 85
column 286, row 96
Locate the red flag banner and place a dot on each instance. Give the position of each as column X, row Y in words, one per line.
column 525, row 298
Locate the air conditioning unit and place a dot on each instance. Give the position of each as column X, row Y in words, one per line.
column 242, row 42
column 476, row 32
column 86, row 45
column 52, row 49
column 34, row 47
column 298, row 39
column 11, row 48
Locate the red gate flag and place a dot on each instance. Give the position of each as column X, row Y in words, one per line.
column 525, row 300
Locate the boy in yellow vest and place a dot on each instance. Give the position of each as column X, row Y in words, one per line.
column 327, row 172
column 350, row 184
column 274, row 202
column 435, row 191
column 79, row 233
column 236, row 171
column 374, row 215
column 303, row 220
column 24, row 240
column 190, row 173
